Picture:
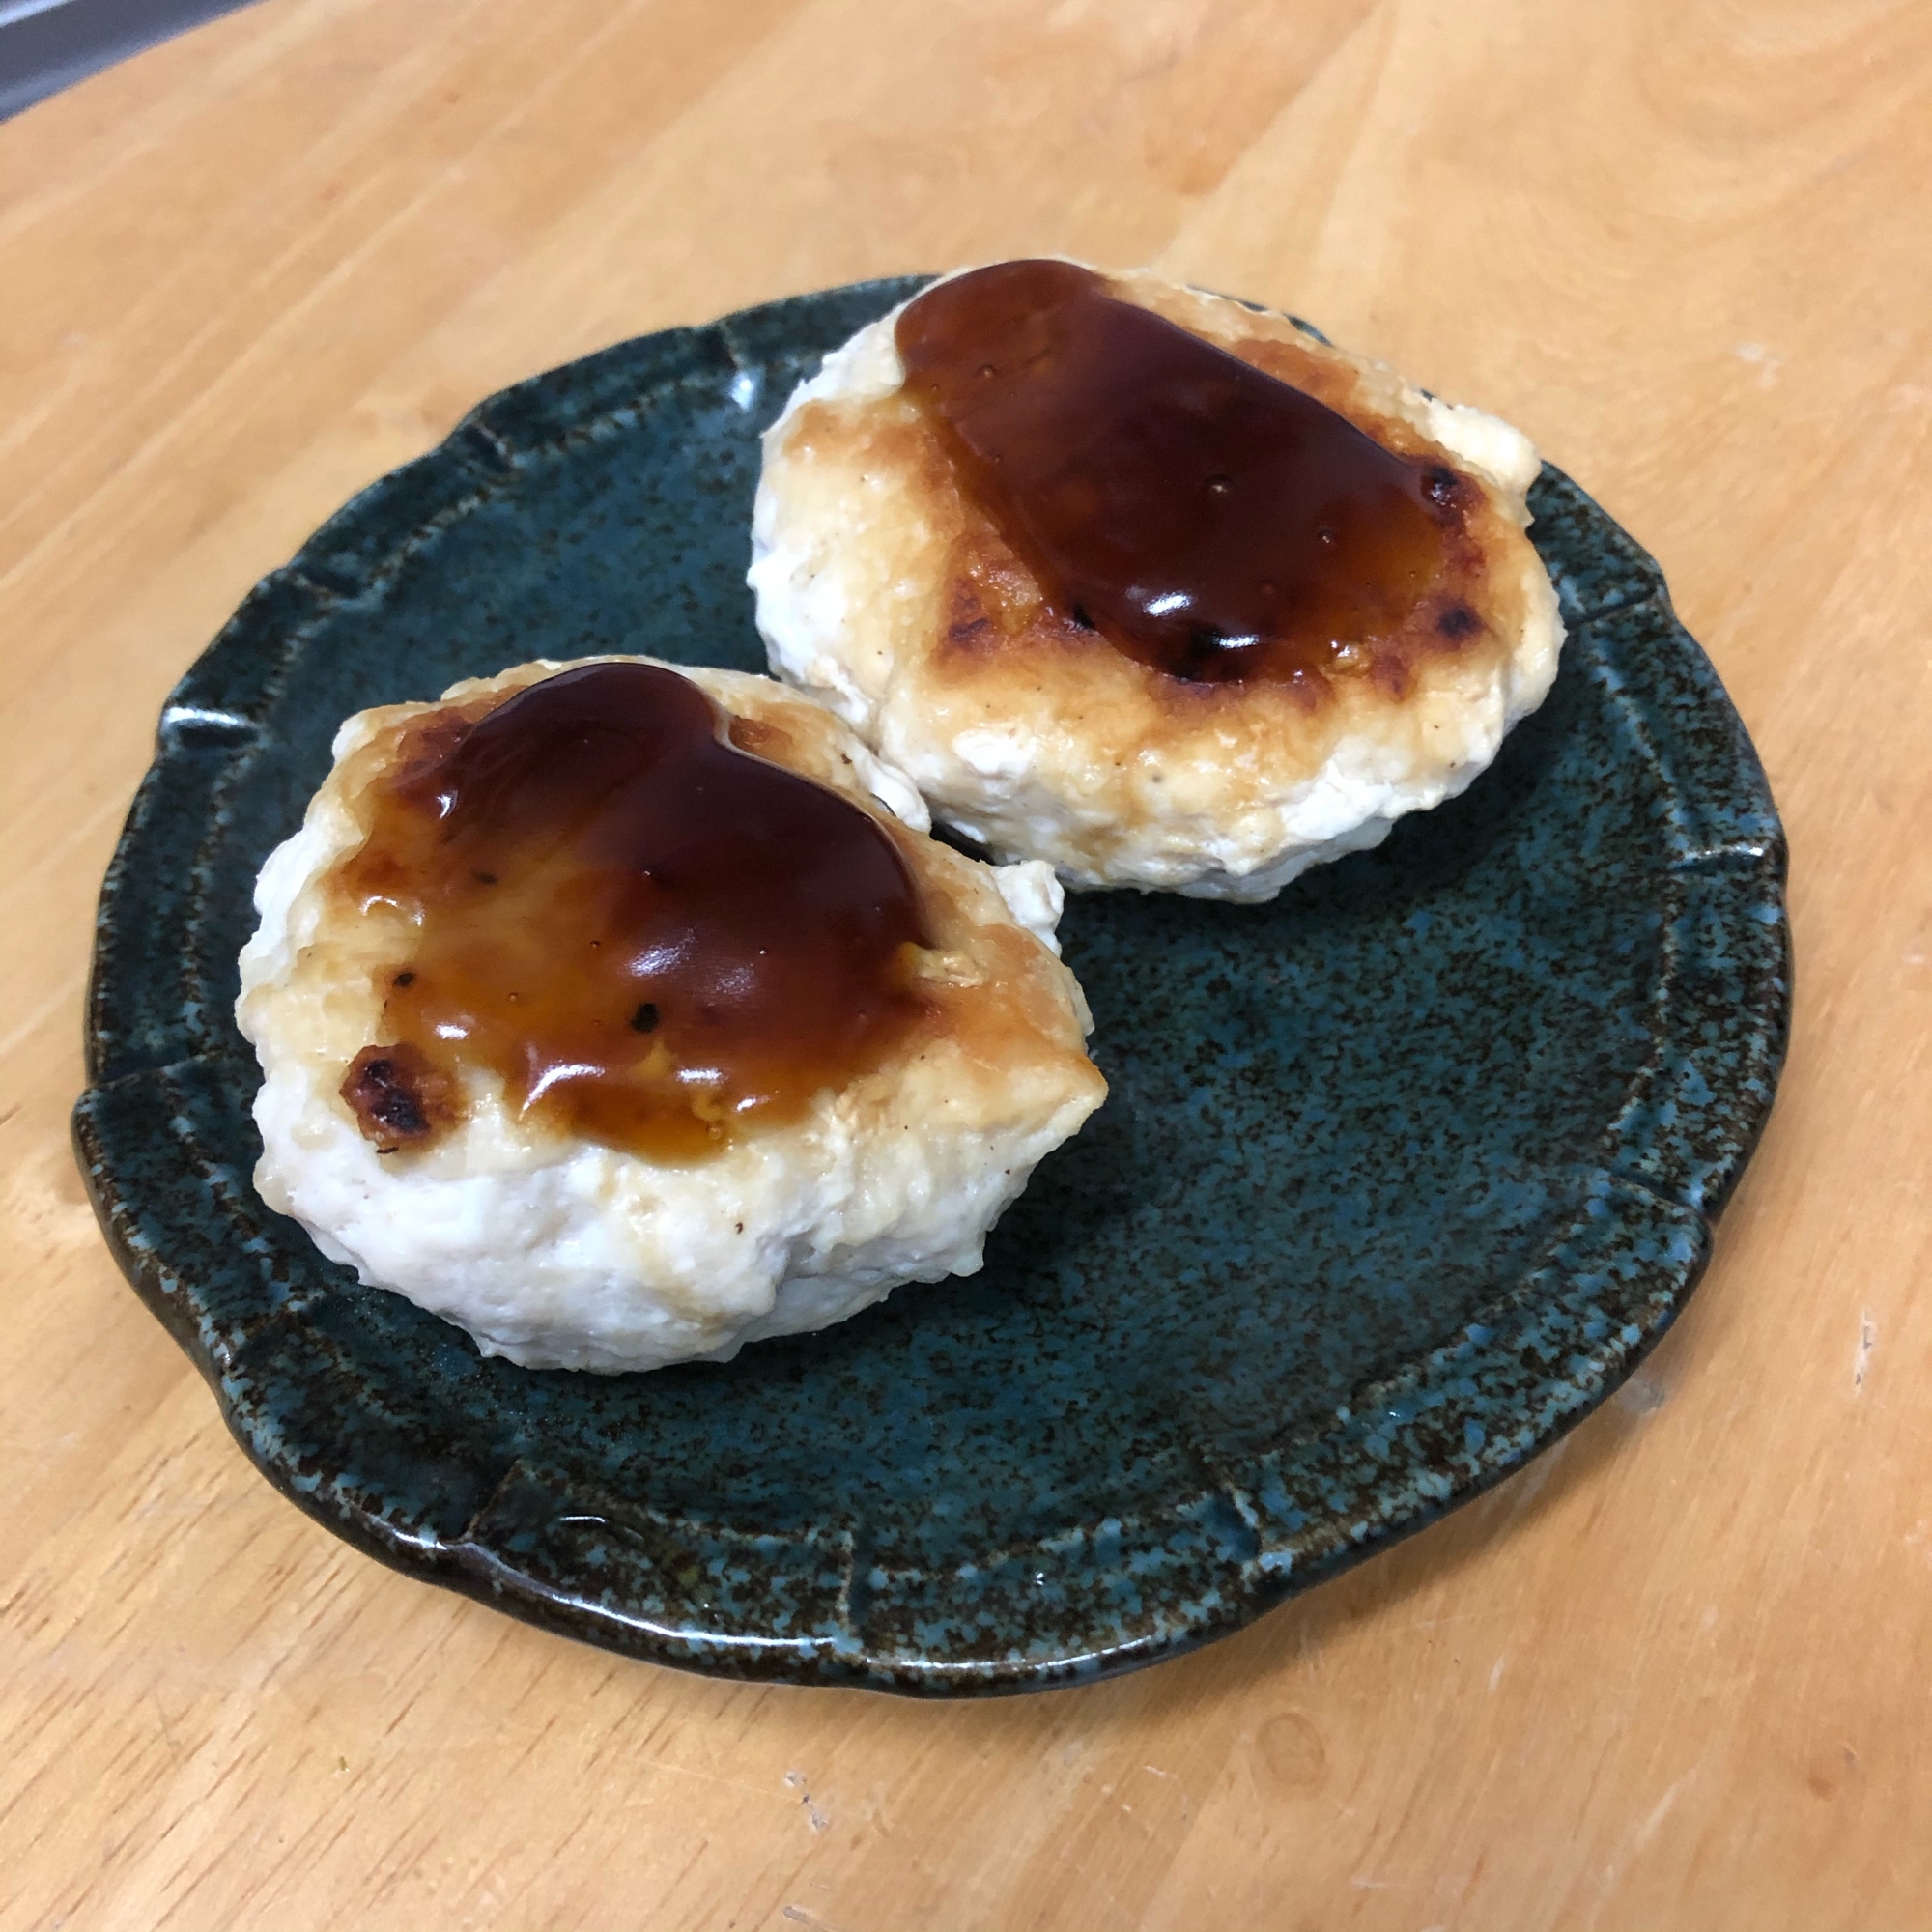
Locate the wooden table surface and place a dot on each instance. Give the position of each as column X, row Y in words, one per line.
column 1678, row 1671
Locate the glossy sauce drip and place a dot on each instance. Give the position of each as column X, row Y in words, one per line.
column 1204, row 517
column 651, row 937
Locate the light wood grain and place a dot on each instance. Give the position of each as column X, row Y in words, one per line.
column 1678, row 1673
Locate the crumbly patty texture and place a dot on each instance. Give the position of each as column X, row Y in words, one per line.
column 562, row 1253
column 886, row 592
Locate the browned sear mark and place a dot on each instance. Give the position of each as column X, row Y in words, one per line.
column 399, row 1096
column 967, row 622
column 760, row 738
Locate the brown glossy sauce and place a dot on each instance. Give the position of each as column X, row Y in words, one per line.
column 1202, row 516
column 652, row 938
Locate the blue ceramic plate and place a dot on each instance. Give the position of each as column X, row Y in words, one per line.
column 1400, row 1176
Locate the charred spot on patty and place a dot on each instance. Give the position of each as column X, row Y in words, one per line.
column 399, row 1096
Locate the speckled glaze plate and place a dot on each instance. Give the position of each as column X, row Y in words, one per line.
column 1400, row 1176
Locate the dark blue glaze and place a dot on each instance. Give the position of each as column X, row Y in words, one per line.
column 1398, row 1178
